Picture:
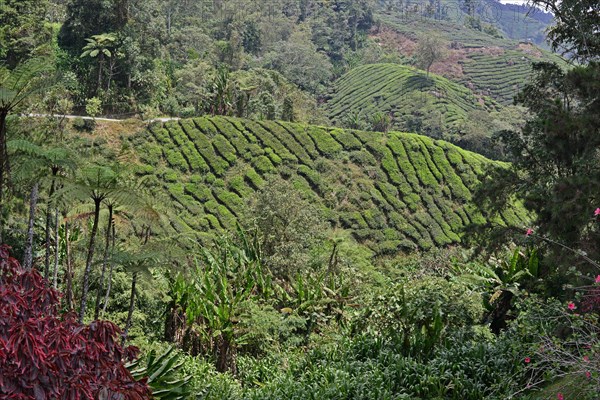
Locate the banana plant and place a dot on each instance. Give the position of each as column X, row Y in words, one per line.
column 318, row 297
column 162, row 374
column 226, row 277
column 502, row 281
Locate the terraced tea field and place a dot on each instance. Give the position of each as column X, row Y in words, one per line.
column 488, row 65
column 393, row 191
column 415, row 26
column 401, row 92
column 501, row 76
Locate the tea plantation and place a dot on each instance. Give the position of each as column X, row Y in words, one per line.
column 393, row 191
column 501, row 76
column 490, row 66
column 402, row 92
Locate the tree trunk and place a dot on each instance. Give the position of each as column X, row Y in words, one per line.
column 104, row 261
column 110, row 273
column 111, row 67
column 131, row 307
column 170, row 321
column 169, row 22
column 56, row 248
column 88, row 262
column 134, row 279
column 28, row 258
column 47, row 242
column 47, row 232
column 3, row 167
column 499, row 315
column 69, row 270
column 225, row 355
column 100, row 67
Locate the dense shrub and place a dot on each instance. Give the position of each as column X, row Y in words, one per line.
column 365, row 367
column 84, row 125
column 420, row 314
column 44, row 355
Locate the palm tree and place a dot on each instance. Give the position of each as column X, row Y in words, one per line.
column 149, row 217
column 116, row 213
column 33, row 198
column 58, row 161
column 146, row 217
column 136, row 260
column 109, row 235
column 98, row 47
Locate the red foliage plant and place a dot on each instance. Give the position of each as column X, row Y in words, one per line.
column 46, row 356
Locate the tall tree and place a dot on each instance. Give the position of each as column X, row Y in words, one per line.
column 39, row 167
column 107, row 247
column 430, row 49
column 96, row 183
column 146, row 254
column 16, row 86
column 86, row 18
column 100, row 47
column 556, row 156
column 22, row 30
column 576, row 28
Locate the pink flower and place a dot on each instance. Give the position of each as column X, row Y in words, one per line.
column 597, row 212
column 586, row 358
column 528, row 232
column 527, row 360
column 588, row 374
column 571, row 306
column 598, row 279
column 560, row 396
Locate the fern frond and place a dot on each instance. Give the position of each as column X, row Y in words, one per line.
column 26, row 79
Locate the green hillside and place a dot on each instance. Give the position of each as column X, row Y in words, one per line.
column 452, row 30
column 511, row 21
column 503, row 74
column 403, row 93
column 489, row 65
column 393, row 191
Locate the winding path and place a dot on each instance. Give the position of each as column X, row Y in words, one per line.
column 97, row 119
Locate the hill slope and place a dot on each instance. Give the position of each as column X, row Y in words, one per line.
column 404, row 93
column 489, row 65
column 516, row 22
column 393, row 192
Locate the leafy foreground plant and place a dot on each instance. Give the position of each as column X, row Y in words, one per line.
column 44, row 356
column 213, row 298
column 365, row 367
column 566, row 358
column 162, row 374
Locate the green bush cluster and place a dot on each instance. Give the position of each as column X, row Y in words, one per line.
column 325, row 143
column 283, row 135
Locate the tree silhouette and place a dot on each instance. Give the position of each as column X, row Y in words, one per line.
column 96, row 183
column 99, row 47
column 16, row 86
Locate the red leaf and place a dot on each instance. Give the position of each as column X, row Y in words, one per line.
column 46, row 356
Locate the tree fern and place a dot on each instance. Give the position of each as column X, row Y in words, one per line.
column 16, row 86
